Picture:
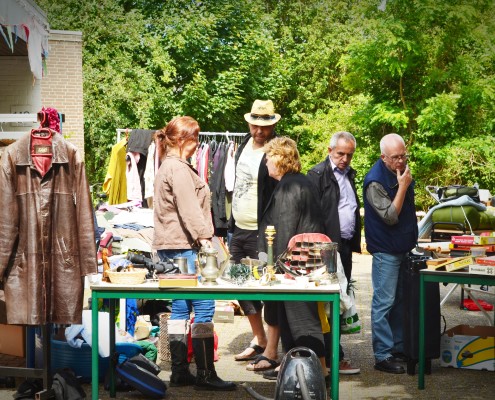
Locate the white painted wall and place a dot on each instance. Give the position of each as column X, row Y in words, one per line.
column 20, row 91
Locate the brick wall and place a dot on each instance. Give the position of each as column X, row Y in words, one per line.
column 62, row 86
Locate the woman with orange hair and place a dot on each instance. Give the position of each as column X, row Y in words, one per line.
column 183, row 224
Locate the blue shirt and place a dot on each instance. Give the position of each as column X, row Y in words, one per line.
column 347, row 202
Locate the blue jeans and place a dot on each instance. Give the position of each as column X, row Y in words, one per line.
column 386, row 305
column 181, row 309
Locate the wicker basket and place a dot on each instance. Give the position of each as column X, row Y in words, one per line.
column 128, row 277
column 163, row 343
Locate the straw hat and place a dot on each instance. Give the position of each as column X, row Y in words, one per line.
column 262, row 114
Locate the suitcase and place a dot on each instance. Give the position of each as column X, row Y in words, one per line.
column 141, row 379
column 145, row 363
column 411, row 267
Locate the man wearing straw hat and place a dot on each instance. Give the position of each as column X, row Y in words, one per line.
column 252, row 190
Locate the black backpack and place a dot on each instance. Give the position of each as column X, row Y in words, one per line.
column 66, row 385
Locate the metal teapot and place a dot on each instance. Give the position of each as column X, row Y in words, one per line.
column 208, row 265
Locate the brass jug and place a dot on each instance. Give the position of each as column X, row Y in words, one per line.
column 208, row 265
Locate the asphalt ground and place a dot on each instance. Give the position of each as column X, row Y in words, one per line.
column 443, row 383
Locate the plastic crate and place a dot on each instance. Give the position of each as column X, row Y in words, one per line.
column 79, row 359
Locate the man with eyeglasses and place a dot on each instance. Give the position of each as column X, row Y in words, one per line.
column 391, row 231
column 335, row 180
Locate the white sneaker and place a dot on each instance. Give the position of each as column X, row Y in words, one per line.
column 345, row 368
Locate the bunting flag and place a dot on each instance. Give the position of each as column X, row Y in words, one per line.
column 26, row 31
column 13, row 33
column 4, row 37
column 9, row 35
column 36, row 37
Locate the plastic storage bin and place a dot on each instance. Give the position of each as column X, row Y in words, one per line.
column 79, row 360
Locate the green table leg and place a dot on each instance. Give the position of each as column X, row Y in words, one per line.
column 335, row 349
column 421, row 358
column 112, row 365
column 94, row 348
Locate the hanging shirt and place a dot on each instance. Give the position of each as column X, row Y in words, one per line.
column 229, row 172
column 115, row 185
column 245, row 199
column 132, row 174
column 149, row 172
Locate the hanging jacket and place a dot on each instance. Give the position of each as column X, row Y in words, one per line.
column 47, row 243
column 218, row 190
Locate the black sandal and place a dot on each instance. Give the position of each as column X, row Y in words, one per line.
column 257, row 351
column 252, row 366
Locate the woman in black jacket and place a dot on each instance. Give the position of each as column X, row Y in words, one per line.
column 292, row 209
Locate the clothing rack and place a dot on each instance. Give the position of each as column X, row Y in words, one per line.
column 226, row 134
column 120, row 130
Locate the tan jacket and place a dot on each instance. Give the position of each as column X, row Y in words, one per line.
column 47, row 241
column 182, row 211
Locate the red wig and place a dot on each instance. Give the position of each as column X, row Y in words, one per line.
column 49, row 119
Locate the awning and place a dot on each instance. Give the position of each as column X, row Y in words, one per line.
column 24, row 20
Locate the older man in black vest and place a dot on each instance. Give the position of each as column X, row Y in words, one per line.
column 391, row 232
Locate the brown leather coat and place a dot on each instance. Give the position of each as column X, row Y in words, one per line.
column 47, row 241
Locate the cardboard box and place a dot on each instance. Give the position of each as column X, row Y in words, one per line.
column 13, row 340
column 469, row 347
column 223, row 313
column 177, row 280
column 480, row 269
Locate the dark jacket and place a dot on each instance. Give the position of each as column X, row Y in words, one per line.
column 47, row 243
column 383, row 238
column 217, row 188
column 324, row 179
column 266, row 184
column 292, row 209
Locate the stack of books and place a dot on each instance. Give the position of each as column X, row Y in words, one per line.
column 451, row 264
column 483, row 266
column 467, row 245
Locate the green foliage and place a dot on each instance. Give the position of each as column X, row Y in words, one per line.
column 437, row 119
column 122, row 65
column 468, row 161
column 224, row 55
column 422, row 68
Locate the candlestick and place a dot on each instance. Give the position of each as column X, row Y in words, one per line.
column 270, row 235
